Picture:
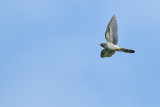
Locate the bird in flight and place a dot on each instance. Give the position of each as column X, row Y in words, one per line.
column 111, row 36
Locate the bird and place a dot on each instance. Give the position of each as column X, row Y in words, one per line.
column 111, row 36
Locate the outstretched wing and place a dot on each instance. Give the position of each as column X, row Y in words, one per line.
column 111, row 33
column 107, row 53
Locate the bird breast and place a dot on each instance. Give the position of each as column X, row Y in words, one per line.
column 112, row 46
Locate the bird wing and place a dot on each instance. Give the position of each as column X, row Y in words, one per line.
column 111, row 33
column 107, row 53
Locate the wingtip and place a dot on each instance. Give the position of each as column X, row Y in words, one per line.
column 114, row 16
column 102, row 56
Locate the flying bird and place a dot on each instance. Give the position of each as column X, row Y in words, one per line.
column 111, row 36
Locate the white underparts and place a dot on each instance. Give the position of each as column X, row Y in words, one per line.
column 112, row 46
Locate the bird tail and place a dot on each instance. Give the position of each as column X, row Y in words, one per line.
column 127, row 50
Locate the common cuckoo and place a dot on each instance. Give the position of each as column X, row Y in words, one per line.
column 111, row 36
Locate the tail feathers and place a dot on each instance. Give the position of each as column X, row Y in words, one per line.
column 127, row 50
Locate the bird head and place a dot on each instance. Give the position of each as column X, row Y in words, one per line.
column 104, row 45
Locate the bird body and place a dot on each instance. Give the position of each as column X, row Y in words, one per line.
column 111, row 36
column 113, row 46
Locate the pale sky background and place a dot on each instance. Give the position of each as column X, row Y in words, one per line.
column 50, row 55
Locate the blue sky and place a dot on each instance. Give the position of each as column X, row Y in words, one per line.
column 50, row 55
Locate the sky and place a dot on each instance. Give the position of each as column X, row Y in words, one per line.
column 50, row 55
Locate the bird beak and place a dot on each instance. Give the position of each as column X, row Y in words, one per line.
column 99, row 44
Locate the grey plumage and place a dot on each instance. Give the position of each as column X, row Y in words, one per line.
column 111, row 36
column 111, row 33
